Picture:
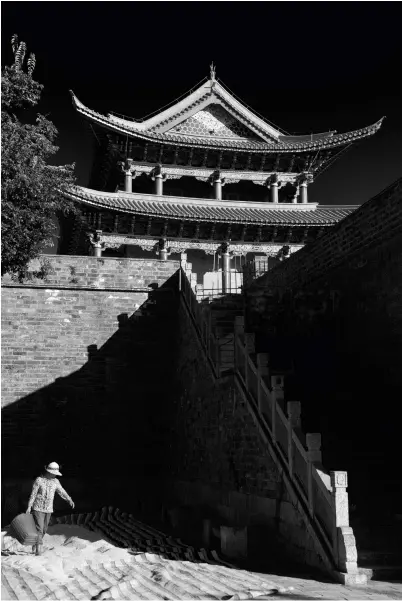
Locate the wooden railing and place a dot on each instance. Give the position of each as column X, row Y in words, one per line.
column 322, row 497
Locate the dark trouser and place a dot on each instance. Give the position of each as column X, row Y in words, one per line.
column 41, row 520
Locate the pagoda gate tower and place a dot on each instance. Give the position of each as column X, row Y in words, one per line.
column 204, row 176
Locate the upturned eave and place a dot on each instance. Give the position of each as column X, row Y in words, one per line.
column 208, row 210
column 277, row 146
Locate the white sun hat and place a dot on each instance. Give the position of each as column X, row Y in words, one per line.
column 53, row 468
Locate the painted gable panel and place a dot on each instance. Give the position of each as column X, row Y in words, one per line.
column 213, row 121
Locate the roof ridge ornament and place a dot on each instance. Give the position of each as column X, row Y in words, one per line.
column 212, row 68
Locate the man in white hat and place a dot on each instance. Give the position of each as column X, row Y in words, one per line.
column 41, row 501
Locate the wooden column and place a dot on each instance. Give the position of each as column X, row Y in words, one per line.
column 274, row 185
column 129, row 171
column 303, row 182
column 303, row 192
column 158, row 177
column 217, row 181
column 226, row 273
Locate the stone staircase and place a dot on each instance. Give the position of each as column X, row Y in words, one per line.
column 378, row 540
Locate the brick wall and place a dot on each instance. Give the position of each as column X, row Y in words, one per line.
column 334, row 311
column 100, row 273
column 374, row 222
column 80, row 352
column 221, row 466
column 46, row 332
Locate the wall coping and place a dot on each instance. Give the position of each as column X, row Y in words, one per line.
column 146, row 290
column 98, row 259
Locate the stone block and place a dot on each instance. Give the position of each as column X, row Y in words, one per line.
column 261, row 509
column 295, row 535
column 289, row 514
column 234, row 542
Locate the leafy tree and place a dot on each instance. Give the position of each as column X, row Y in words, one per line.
column 31, row 188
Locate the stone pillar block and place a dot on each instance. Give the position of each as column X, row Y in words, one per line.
column 263, row 364
column 234, row 542
column 249, row 341
column 183, row 260
column 277, row 387
column 262, row 371
column 313, row 442
column 239, row 325
column 294, row 414
column 339, row 482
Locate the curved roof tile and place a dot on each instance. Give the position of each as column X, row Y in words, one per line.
column 282, row 144
column 196, row 209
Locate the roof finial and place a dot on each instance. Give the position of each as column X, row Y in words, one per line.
column 212, row 71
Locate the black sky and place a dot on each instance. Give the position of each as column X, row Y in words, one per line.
column 305, row 66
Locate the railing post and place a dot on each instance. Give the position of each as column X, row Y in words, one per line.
column 314, row 455
column 294, row 411
column 262, row 372
column 238, row 333
column 344, row 540
column 276, row 394
column 209, row 318
column 217, row 356
column 249, row 347
column 339, row 483
column 277, row 385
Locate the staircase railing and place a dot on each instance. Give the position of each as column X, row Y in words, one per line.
column 322, row 497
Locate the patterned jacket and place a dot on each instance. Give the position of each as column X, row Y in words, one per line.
column 43, row 492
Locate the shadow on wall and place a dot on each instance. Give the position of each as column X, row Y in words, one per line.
column 107, row 423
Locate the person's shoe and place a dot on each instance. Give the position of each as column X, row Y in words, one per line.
column 39, row 549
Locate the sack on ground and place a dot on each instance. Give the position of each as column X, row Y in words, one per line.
column 24, row 529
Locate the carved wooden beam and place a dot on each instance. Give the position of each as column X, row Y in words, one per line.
column 116, row 223
column 291, row 164
column 99, row 221
column 305, row 235
column 145, row 152
column 132, row 224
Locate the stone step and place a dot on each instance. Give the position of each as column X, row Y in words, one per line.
column 384, row 573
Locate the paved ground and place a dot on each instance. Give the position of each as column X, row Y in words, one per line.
column 151, row 565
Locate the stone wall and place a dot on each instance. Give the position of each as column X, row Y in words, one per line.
column 99, row 273
column 333, row 311
column 221, row 466
column 375, row 222
column 50, row 324
column 80, row 355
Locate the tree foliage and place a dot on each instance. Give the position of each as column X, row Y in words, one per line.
column 31, row 188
